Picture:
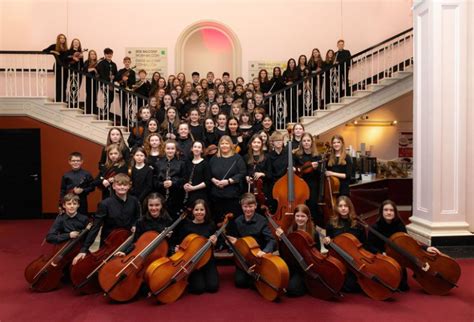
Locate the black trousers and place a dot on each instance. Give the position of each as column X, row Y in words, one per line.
column 296, row 286
column 92, row 88
column 61, row 82
column 221, row 206
column 242, row 279
column 205, row 279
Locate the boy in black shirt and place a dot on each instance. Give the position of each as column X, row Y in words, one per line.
column 69, row 224
column 76, row 182
column 107, row 69
column 117, row 211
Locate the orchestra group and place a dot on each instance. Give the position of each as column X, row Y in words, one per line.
column 204, row 171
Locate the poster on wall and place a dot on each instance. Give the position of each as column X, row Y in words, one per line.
column 256, row 65
column 151, row 59
column 405, row 146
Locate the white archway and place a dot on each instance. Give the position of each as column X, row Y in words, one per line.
column 213, row 25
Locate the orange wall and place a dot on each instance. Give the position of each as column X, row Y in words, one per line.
column 56, row 145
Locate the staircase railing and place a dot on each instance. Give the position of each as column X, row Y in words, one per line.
column 34, row 74
column 338, row 83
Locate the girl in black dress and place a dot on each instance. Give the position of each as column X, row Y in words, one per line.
column 152, row 127
column 264, row 82
column 113, row 165
column 59, row 49
column 257, row 165
column 301, row 221
column 340, row 164
column 114, row 136
column 205, row 279
column 169, row 127
column 154, row 148
column 298, row 131
column 168, row 178
column 185, row 141
column 195, row 125
column 344, row 221
column 76, row 64
column 307, row 154
column 290, row 76
column 389, row 223
column 210, row 135
column 330, row 79
column 140, row 174
column 92, row 86
column 228, row 171
column 233, row 132
column 198, row 176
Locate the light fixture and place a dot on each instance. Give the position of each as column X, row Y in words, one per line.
column 372, row 123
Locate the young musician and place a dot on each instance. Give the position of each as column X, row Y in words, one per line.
column 141, row 87
column 68, row 224
column 184, row 141
column 258, row 115
column 257, row 165
column 75, row 64
column 107, row 69
column 277, row 82
column 59, row 49
column 114, row 136
column 168, row 178
column 307, row 155
column 290, row 76
column 330, row 95
column 169, row 127
column 114, row 165
column 221, row 128
column 298, row 131
column 301, row 221
column 141, row 175
column 343, row 58
column 210, row 135
column 198, row 175
column 77, row 181
column 117, row 211
column 125, row 78
column 278, row 165
column 254, row 225
column 340, row 164
column 265, row 84
column 389, row 223
column 195, row 126
column 344, row 221
column 92, row 86
column 233, row 132
column 137, row 133
column 156, row 218
column 205, row 279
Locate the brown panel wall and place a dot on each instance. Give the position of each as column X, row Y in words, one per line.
column 56, row 145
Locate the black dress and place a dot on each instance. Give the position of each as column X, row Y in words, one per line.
column 197, row 173
column 344, row 189
column 172, row 170
column 142, row 182
column 61, row 72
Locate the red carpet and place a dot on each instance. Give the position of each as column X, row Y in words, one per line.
column 20, row 243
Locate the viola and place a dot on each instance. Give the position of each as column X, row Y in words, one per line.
column 289, row 191
column 324, row 275
column 270, row 272
column 121, row 277
column 378, row 275
column 167, row 277
column 44, row 273
column 84, row 273
column 306, row 168
column 436, row 273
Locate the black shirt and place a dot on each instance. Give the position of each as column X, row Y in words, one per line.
column 113, row 213
column 76, row 178
column 356, row 231
column 197, row 173
column 278, row 164
column 256, row 227
column 148, row 223
column 63, row 225
column 142, row 182
column 377, row 245
column 227, row 168
column 347, row 169
column 105, row 69
column 206, row 229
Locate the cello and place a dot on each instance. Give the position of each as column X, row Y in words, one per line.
column 167, row 277
column 289, row 191
column 329, row 190
column 378, row 275
column 121, row 277
column 270, row 272
column 436, row 273
column 84, row 273
column 323, row 275
column 44, row 273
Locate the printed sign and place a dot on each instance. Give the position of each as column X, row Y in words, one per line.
column 256, row 65
column 151, row 59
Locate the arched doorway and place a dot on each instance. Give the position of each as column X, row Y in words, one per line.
column 208, row 46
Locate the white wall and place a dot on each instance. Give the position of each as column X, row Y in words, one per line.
column 267, row 29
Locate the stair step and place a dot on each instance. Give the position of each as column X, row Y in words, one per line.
column 361, row 93
column 334, row 106
column 348, row 100
column 402, row 74
column 375, row 87
column 322, row 113
column 388, row 81
column 87, row 117
column 75, row 110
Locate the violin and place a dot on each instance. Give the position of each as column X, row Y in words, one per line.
column 167, row 277
column 270, row 272
column 121, row 277
column 436, row 273
column 378, row 275
column 328, row 192
column 323, row 275
column 84, row 273
column 210, row 150
column 44, row 273
column 289, row 191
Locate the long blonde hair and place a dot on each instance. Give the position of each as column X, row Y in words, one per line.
column 121, row 143
column 261, row 156
column 61, row 47
column 146, row 144
column 342, row 157
column 335, row 220
column 228, row 140
column 300, row 151
column 109, row 163
column 309, row 224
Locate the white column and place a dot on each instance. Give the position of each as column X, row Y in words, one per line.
column 443, row 134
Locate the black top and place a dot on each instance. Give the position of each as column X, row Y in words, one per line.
column 73, row 64
column 377, row 245
column 105, row 69
column 148, row 223
column 228, row 168
column 63, row 225
column 210, row 138
column 176, row 172
column 137, row 134
column 256, row 227
column 184, row 147
column 312, row 178
column 197, row 173
column 347, row 169
column 131, row 78
column 76, row 178
column 357, row 231
column 142, row 182
column 189, row 227
column 113, row 213
column 291, row 75
column 342, row 57
column 278, row 83
column 103, row 156
column 278, row 164
column 61, row 58
column 197, row 131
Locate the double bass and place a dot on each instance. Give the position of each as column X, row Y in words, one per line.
column 289, row 191
column 167, row 277
column 329, row 190
column 378, row 275
column 269, row 272
column 84, row 273
column 121, row 277
column 44, row 273
column 436, row 273
column 323, row 275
